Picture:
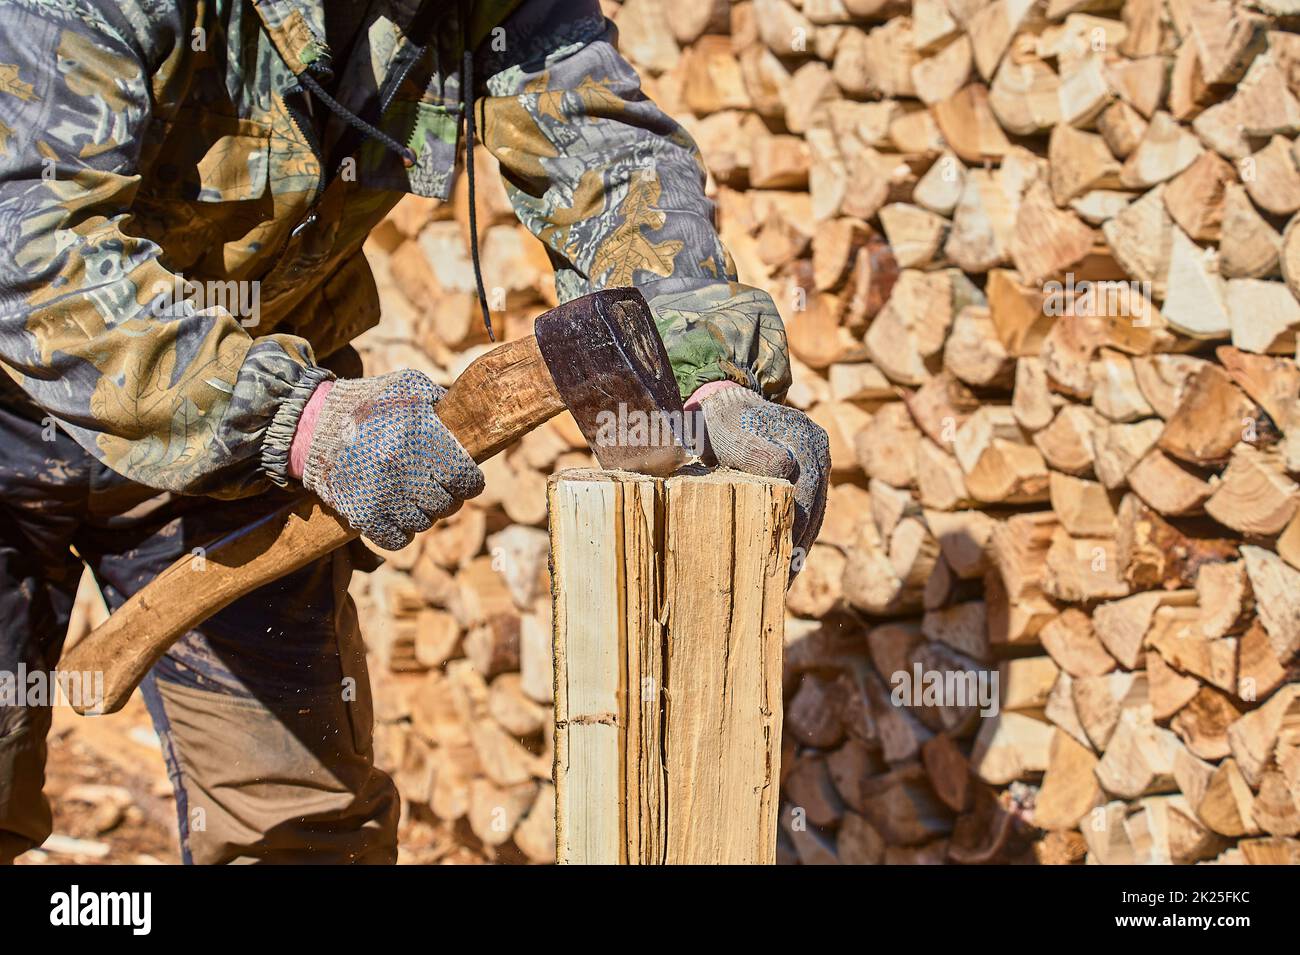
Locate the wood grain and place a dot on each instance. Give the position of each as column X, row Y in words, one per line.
column 669, row 619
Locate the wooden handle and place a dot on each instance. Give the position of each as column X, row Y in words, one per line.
column 501, row 396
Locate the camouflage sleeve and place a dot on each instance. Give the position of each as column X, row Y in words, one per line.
column 171, row 397
column 615, row 190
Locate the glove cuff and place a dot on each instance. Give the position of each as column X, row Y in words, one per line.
column 727, row 417
column 279, row 434
column 729, row 400
column 306, row 428
column 695, row 401
column 334, row 428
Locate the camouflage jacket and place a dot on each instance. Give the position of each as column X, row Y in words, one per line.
column 143, row 142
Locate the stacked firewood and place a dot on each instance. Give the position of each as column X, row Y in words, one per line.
column 1039, row 266
column 458, row 624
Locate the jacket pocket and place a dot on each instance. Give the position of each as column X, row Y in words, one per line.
column 207, row 157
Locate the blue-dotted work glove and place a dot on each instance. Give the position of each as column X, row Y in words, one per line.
column 382, row 459
column 749, row 433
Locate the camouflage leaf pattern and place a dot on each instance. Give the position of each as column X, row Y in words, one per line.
column 615, row 189
column 150, row 147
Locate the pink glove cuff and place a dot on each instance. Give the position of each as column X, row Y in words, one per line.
column 702, row 392
column 306, row 428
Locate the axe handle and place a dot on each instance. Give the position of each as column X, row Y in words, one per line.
column 500, row 397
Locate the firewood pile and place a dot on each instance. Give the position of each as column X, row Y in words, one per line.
column 1039, row 265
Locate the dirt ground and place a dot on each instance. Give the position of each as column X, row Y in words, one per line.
column 109, row 792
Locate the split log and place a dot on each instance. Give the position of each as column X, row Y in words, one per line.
column 1099, row 702
column 1026, row 95
column 996, row 463
column 1141, row 82
column 973, row 351
column 992, row 28
column 1010, row 747
column 915, row 234
column 1141, row 238
column 1164, row 380
column 1165, row 151
column 1032, row 402
column 618, row 758
column 1252, row 246
column 906, row 339
column 1177, row 636
column 1139, row 758
column 1264, row 316
column 1197, row 196
column 1070, row 789
column 904, row 809
column 983, row 223
column 963, row 538
column 1225, row 598
column 1027, row 682
column 1272, row 179
column 1080, row 162
column 1123, row 129
column 1122, row 624
column 941, row 186
column 886, row 448
column 1226, row 804
column 939, row 76
column 1259, row 672
column 1068, row 443
column 1275, row 810
column 1203, row 723
column 949, row 772
column 1071, row 642
column 1210, row 419
column 1115, row 390
column 1196, row 300
column 969, row 126
column 1017, row 606
column 1156, row 554
column 1168, row 690
column 1169, row 487
column 1083, row 569
column 1165, row 831
column 1084, row 508
column 1060, row 709
column 1277, row 598
column 1047, row 240
column 1254, row 495
column 1018, row 313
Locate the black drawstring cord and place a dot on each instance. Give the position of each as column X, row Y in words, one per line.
column 356, row 122
column 409, row 158
column 467, row 95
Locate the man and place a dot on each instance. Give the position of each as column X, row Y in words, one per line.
column 143, row 142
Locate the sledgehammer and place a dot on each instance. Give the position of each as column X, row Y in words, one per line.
column 589, row 355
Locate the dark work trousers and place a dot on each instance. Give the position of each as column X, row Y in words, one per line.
column 264, row 712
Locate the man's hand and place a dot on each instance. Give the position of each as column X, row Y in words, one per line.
column 750, row 433
column 377, row 453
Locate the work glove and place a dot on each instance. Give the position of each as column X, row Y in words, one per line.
column 376, row 453
column 749, row 433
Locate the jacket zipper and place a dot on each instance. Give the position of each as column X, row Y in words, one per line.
column 308, row 133
column 393, row 82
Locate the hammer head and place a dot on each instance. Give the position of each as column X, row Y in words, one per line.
column 611, row 370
